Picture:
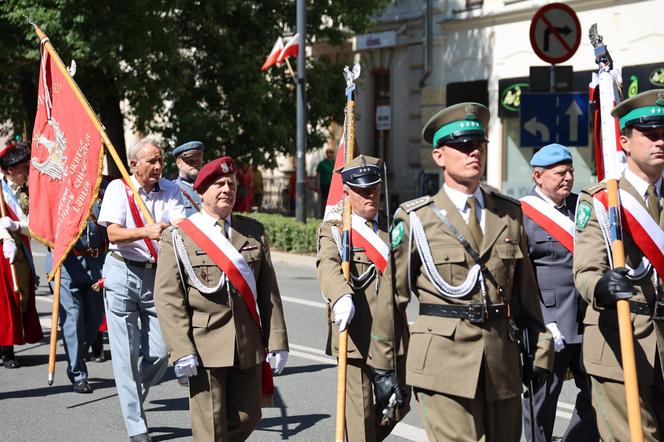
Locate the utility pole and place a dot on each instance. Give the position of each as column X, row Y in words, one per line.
column 300, row 195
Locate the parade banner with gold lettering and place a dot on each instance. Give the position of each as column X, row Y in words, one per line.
column 65, row 164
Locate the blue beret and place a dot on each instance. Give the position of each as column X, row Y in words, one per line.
column 551, row 154
column 192, row 145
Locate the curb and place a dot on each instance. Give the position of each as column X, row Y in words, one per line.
column 293, row 259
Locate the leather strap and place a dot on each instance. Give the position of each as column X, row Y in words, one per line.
column 470, row 312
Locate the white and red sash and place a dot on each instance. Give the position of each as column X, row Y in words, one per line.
column 237, row 270
column 375, row 248
column 642, row 228
column 14, row 210
column 548, row 218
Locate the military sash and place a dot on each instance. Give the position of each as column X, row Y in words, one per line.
column 235, row 267
column 375, row 248
column 138, row 220
column 640, row 225
column 14, row 210
column 551, row 220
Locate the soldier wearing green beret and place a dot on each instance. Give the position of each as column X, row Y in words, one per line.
column 352, row 303
column 641, row 120
column 463, row 253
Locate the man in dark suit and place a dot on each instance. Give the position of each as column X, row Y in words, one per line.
column 549, row 224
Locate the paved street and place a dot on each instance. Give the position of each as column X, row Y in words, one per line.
column 305, row 399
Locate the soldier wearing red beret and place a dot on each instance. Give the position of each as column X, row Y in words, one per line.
column 220, row 309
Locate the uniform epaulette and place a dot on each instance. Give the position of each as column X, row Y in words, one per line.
column 415, row 204
column 498, row 194
column 591, row 190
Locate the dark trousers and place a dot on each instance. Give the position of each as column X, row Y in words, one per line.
column 582, row 426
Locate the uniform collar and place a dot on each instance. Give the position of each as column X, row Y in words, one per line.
column 140, row 188
column 459, row 198
column 640, row 185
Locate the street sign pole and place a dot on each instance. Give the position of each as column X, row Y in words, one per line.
column 300, row 188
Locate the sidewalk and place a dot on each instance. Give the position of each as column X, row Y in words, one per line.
column 293, row 259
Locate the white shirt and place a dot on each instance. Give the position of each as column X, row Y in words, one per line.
column 460, row 199
column 212, row 221
column 165, row 205
column 549, row 200
column 641, row 186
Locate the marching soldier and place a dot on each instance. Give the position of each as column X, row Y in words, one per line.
column 189, row 160
column 220, row 309
column 353, row 302
column 641, row 120
column 19, row 322
column 463, row 253
column 549, row 224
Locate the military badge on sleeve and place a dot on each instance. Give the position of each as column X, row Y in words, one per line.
column 583, row 215
column 398, row 232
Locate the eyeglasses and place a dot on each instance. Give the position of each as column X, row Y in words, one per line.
column 470, row 146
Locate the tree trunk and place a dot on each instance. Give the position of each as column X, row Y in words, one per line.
column 113, row 121
column 29, row 98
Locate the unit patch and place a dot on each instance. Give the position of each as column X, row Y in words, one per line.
column 583, row 215
column 398, row 232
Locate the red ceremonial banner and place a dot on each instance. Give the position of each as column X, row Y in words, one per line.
column 65, row 164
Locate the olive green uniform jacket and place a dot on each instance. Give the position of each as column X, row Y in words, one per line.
column 218, row 327
column 449, row 355
column 601, row 342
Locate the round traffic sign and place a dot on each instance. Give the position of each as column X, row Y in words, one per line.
column 555, row 33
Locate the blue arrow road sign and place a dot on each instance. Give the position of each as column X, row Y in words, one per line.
column 554, row 118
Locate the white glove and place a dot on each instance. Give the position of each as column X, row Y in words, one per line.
column 558, row 338
column 186, row 366
column 280, row 358
column 9, row 224
column 344, row 310
column 9, row 249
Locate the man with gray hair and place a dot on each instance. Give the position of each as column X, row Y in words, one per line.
column 129, row 272
column 549, row 224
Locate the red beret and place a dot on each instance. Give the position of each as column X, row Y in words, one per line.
column 212, row 171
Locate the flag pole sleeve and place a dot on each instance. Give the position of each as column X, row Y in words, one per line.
column 95, row 120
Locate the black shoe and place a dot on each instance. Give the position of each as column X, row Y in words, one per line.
column 143, row 437
column 101, row 357
column 82, row 386
column 10, row 363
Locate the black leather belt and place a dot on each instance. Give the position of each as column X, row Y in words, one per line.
column 643, row 308
column 471, row 312
column 90, row 253
column 145, row 265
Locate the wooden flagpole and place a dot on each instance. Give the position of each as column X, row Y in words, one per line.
column 607, row 100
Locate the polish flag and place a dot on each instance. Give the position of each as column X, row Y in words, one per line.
column 291, row 48
column 274, row 54
column 336, row 187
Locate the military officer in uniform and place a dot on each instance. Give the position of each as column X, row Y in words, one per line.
column 19, row 322
column 209, row 331
column 352, row 302
column 189, row 160
column 641, row 120
column 463, row 253
column 553, row 174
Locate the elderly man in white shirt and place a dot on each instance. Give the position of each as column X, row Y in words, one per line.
column 129, row 272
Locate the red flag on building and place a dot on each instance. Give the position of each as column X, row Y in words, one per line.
column 336, row 188
column 291, row 48
column 274, row 54
column 66, row 163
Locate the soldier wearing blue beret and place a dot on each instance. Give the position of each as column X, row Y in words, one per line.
column 550, row 205
column 189, row 160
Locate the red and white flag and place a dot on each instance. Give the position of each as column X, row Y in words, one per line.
column 290, row 49
column 274, row 54
column 66, row 163
column 603, row 93
column 336, row 187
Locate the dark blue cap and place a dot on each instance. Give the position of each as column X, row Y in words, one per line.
column 191, row 145
column 551, row 154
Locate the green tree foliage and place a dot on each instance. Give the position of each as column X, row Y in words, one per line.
column 187, row 69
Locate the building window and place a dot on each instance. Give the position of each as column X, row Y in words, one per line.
column 474, row 4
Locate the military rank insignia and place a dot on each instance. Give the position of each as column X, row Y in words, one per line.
column 398, row 232
column 583, row 215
